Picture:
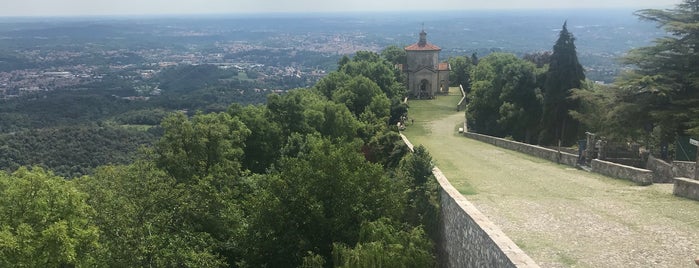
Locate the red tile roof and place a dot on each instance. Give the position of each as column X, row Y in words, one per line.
column 444, row 66
column 425, row 47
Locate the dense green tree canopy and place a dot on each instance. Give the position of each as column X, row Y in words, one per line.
column 486, row 84
column 378, row 70
column 656, row 100
column 145, row 218
column 262, row 145
column 422, row 201
column 332, row 82
column 358, row 94
column 45, row 222
column 73, row 151
column 664, row 82
column 394, row 54
column 382, row 244
column 204, row 145
column 312, row 172
column 504, row 97
column 319, row 193
column 461, row 72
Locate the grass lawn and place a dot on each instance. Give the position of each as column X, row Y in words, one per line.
column 560, row 216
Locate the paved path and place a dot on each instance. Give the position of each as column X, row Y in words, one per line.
column 560, row 216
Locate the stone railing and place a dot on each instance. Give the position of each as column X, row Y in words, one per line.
column 533, row 150
column 686, row 188
column 460, row 105
column 467, row 237
column 680, row 173
column 662, row 171
column 683, row 169
column 638, row 175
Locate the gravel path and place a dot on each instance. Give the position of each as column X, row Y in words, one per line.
column 560, row 216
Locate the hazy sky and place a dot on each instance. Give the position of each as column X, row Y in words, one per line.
column 140, row 7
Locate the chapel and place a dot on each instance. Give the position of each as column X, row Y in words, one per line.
column 426, row 75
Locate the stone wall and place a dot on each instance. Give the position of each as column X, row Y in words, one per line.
column 461, row 104
column 662, row 171
column 686, row 188
column 467, row 237
column 538, row 151
column 683, row 169
column 638, row 175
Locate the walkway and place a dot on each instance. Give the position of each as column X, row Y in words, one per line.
column 560, row 216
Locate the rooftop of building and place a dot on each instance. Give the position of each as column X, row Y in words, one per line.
column 422, row 44
column 444, row 66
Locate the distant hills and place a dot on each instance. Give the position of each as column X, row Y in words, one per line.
column 602, row 35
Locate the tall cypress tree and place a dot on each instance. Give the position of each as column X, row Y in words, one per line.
column 564, row 73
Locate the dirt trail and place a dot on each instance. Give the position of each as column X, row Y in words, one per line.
column 560, row 216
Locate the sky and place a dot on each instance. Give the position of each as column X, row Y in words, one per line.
column 173, row 7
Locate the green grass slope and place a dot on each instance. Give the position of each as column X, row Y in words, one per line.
column 560, row 216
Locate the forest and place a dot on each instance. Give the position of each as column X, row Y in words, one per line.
column 73, row 131
column 313, row 178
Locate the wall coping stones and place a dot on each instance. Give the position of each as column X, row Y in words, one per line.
column 533, row 150
column 638, row 175
column 514, row 256
column 662, row 171
column 686, row 188
column 683, row 169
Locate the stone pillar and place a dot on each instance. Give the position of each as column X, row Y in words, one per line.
column 601, row 154
column 696, row 160
column 590, row 147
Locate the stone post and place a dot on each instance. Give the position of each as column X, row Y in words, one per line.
column 696, row 160
column 696, row 165
column 590, row 147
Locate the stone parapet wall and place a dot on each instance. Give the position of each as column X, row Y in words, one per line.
column 638, row 175
column 467, row 237
column 662, row 171
column 683, row 169
column 461, row 103
column 686, row 188
column 533, row 150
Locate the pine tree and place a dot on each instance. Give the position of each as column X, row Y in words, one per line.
column 664, row 83
column 564, row 74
